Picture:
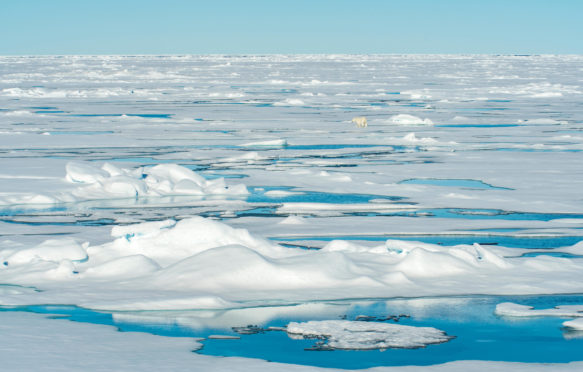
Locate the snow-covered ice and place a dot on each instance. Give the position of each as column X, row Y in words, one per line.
column 356, row 335
column 165, row 183
column 181, row 264
column 511, row 309
column 38, row 344
column 576, row 324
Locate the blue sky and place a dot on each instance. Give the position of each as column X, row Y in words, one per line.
column 33, row 27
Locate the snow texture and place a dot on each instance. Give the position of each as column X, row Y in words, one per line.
column 159, row 151
column 357, row 335
column 181, row 265
column 512, row 309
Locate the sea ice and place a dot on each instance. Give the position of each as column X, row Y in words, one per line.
column 515, row 124
column 111, row 182
column 512, row 309
column 54, row 250
column 184, row 262
column 37, row 343
column 406, row 119
column 576, row 324
column 275, row 143
column 358, row 335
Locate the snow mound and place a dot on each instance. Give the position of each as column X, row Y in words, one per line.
column 267, row 143
column 355, row 335
column 54, row 250
column 406, row 119
column 168, row 242
column 411, row 138
column 176, row 264
column 290, row 102
column 293, row 220
column 110, row 181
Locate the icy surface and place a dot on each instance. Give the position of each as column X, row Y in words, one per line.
column 511, row 309
column 40, row 344
column 355, row 335
column 200, row 165
column 203, row 263
column 576, row 324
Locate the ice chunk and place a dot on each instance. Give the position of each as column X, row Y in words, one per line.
column 84, row 173
column 356, row 335
column 124, row 186
column 150, row 302
column 290, row 102
column 142, row 229
column 280, row 193
column 55, row 250
column 406, row 119
column 346, row 246
column 110, row 181
column 576, row 324
column 512, row 309
column 124, row 267
column 168, row 242
column 424, row 263
column 413, row 139
column 267, row 143
column 293, row 220
column 112, row 169
column 174, row 173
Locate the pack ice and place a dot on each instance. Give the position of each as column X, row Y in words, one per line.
column 202, row 263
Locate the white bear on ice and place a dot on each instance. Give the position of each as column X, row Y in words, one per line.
column 360, row 121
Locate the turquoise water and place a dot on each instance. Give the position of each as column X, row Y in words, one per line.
column 466, row 183
column 258, row 195
column 479, row 334
column 510, row 241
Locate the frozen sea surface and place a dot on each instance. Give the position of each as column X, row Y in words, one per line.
column 458, row 150
column 474, row 330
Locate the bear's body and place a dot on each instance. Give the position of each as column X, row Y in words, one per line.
column 360, row 121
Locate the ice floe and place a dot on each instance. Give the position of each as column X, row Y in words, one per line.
column 290, row 102
column 275, row 143
column 105, row 349
column 406, row 119
column 509, row 121
column 575, row 324
column 359, row 335
column 517, row 310
column 183, row 262
column 109, row 181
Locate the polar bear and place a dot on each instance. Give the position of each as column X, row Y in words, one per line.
column 360, row 121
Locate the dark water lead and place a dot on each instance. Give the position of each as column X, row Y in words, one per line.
column 479, row 334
